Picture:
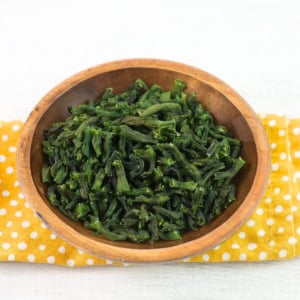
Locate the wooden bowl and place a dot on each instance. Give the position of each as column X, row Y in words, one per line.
column 227, row 107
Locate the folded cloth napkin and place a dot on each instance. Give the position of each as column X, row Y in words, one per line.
column 272, row 232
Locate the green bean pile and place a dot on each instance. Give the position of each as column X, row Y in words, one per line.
column 141, row 165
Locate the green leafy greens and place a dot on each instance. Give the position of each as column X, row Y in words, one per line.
column 141, row 165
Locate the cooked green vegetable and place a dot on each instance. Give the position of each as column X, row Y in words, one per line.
column 142, row 165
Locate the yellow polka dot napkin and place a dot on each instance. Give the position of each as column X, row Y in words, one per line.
column 272, row 232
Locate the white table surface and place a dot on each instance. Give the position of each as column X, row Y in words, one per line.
column 252, row 45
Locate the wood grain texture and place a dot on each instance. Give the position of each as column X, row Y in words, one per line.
column 228, row 108
column 252, row 44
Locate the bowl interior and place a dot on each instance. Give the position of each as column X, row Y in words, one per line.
column 223, row 110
